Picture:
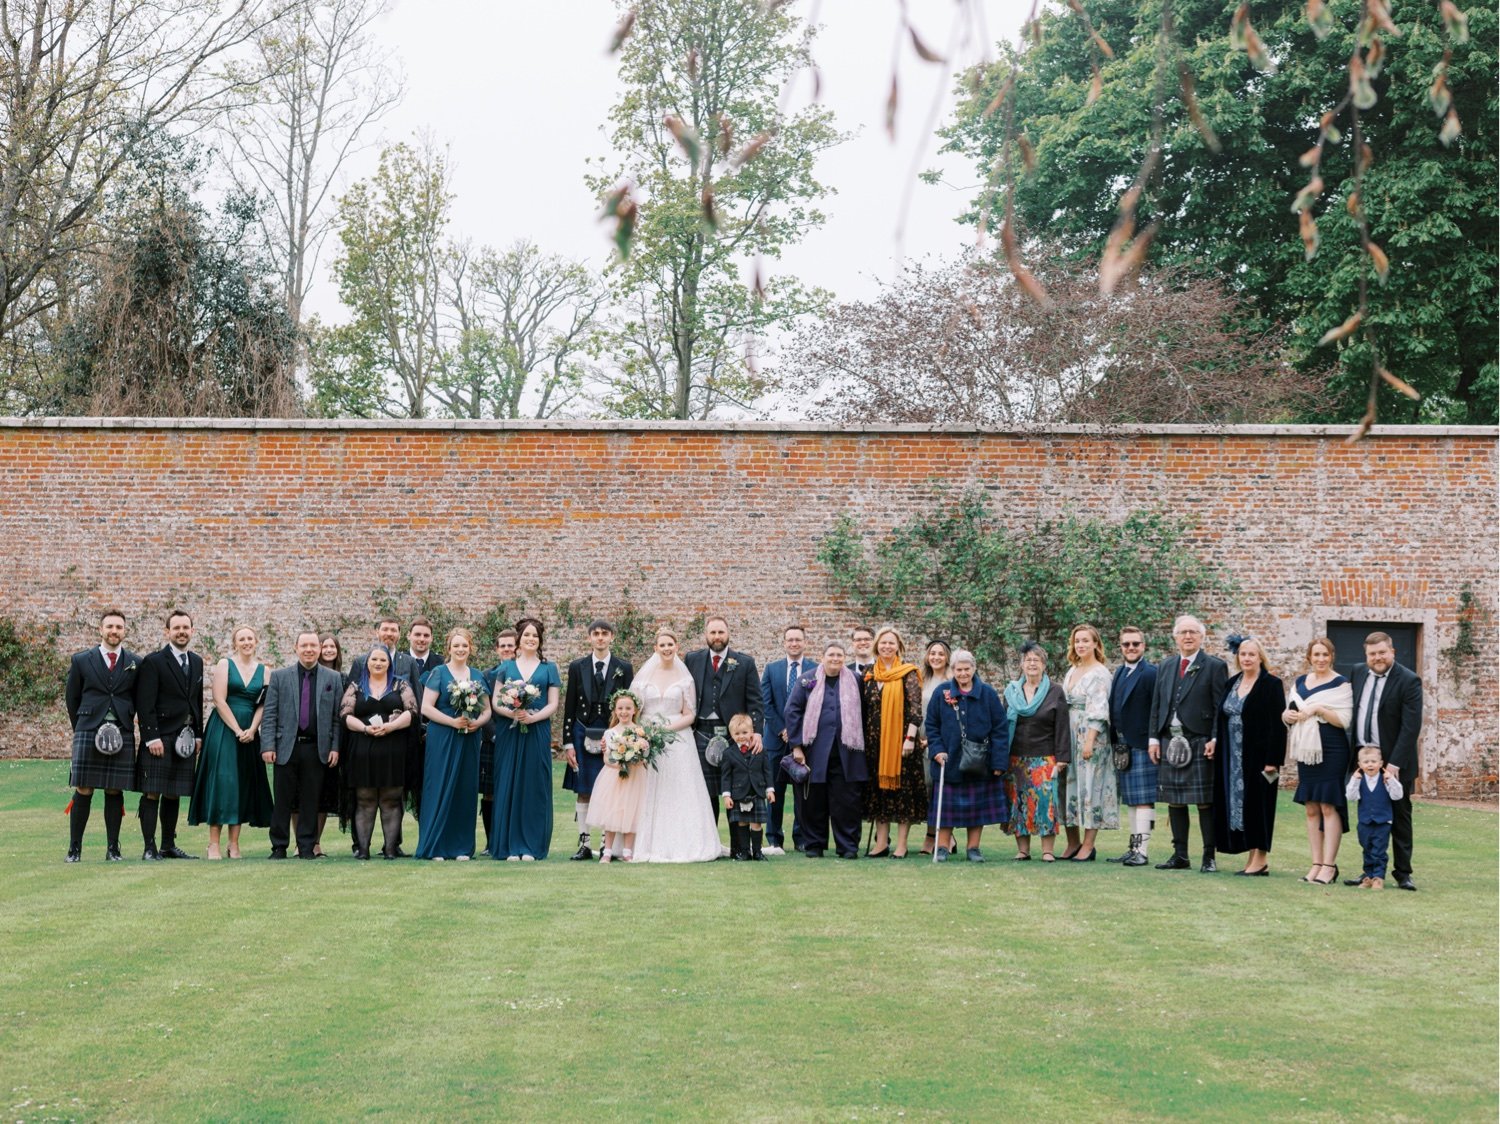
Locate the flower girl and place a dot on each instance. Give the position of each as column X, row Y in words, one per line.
column 616, row 802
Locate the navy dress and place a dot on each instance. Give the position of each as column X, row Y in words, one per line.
column 1324, row 782
column 522, row 819
column 450, row 780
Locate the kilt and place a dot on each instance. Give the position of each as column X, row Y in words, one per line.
column 970, row 803
column 168, row 775
column 1138, row 783
column 756, row 814
column 96, row 770
column 1192, row 784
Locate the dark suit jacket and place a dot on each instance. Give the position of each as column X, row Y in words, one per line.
column 93, row 691
column 735, row 690
column 774, row 694
column 1130, row 713
column 1399, row 719
column 579, row 703
column 852, row 761
column 166, row 700
column 278, row 727
column 1196, row 698
column 745, row 776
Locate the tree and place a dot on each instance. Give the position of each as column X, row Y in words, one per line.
column 82, row 86
column 389, row 273
column 959, row 571
column 962, row 343
column 725, row 179
column 320, row 83
column 1431, row 206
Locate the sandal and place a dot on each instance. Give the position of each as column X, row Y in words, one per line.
column 1328, row 881
column 1048, row 857
column 1022, row 857
column 1308, row 876
column 213, row 852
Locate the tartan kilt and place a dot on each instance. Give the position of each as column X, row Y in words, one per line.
column 1138, row 783
column 96, row 770
column 168, row 774
column 970, row 803
column 1192, row 784
column 757, row 814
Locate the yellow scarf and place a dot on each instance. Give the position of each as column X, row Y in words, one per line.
column 892, row 720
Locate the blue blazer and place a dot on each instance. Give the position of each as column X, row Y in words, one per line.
column 1130, row 706
column 775, row 695
column 984, row 720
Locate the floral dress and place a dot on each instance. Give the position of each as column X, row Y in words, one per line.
column 1093, row 800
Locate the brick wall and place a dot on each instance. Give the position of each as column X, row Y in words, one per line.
column 276, row 523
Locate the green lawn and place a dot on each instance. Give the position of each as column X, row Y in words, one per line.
column 792, row 989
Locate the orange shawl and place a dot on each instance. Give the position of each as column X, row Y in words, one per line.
column 892, row 720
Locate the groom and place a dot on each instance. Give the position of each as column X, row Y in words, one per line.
column 592, row 680
column 727, row 684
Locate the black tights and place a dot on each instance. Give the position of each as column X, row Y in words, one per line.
column 389, row 802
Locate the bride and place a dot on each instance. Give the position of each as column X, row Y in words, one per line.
column 676, row 824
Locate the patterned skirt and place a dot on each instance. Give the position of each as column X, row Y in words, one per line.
column 92, row 769
column 168, row 774
column 906, row 804
column 1191, row 784
column 758, row 812
column 1138, row 783
column 1093, row 795
column 970, row 803
column 1031, row 786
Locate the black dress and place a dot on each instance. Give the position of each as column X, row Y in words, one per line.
column 1245, row 748
column 377, row 762
column 1324, row 782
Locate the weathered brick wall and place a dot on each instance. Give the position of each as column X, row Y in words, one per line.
column 283, row 522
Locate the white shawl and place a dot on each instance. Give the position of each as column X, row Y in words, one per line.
column 1304, row 743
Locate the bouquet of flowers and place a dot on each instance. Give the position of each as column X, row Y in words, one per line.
column 515, row 694
column 467, row 698
column 635, row 744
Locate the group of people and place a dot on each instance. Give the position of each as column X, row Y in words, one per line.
column 858, row 736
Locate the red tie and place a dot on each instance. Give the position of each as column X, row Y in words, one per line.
column 110, row 658
column 716, row 664
column 1182, row 671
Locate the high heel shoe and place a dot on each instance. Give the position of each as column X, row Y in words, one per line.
column 885, row 854
column 1263, row 872
column 1068, row 854
column 1308, row 876
column 1328, row 881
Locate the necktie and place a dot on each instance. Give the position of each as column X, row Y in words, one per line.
column 793, row 670
column 183, row 660
column 716, row 664
column 1182, row 671
column 110, row 658
column 304, row 705
column 1367, row 733
column 598, row 678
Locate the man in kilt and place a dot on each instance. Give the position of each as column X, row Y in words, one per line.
column 100, row 696
column 169, row 707
column 1190, row 688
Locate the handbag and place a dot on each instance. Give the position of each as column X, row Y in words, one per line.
column 973, row 756
column 185, row 745
column 796, row 773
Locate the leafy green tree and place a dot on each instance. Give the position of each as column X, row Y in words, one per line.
column 1431, row 207
column 724, row 180
column 961, row 571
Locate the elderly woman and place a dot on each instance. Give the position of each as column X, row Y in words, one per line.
column 378, row 710
column 966, row 711
column 1253, row 738
column 825, row 729
column 1318, row 711
column 1041, row 746
column 936, row 669
column 893, row 718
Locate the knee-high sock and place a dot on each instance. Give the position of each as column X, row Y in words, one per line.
column 114, row 814
column 1177, row 815
column 581, row 815
column 171, row 806
column 1206, row 828
column 78, row 818
column 1140, row 827
column 147, row 810
column 755, row 843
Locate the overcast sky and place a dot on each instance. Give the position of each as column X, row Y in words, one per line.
column 518, row 91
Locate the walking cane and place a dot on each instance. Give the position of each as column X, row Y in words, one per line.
column 937, row 827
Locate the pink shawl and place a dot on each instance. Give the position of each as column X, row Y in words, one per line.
column 849, row 712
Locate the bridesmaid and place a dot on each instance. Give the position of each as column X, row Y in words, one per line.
column 893, row 717
column 1041, row 745
column 231, row 785
column 522, row 827
column 450, row 769
column 1093, row 794
column 1325, row 699
column 935, row 672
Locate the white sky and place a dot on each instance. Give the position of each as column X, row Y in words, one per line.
column 518, row 91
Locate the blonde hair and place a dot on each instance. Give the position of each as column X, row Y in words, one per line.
column 900, row 644
column 1265, row 664
column 741, row 722
column 235, row 635
column 454, row 634
column 1098, row 643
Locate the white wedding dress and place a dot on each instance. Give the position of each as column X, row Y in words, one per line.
column 676, row 824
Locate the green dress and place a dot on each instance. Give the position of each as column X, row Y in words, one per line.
column 231, row 786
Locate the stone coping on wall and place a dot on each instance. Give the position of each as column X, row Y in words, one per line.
column 580, row 425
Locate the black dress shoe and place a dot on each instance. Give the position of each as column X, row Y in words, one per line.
column 362, row 855
column 75, row 854
column 1125, row 858
column 813, row 854
column 583, row 854
column 885, row 854
column 150, row 855
column 112, row 854
column 277, row 853
column 1209, row 867
column 851, row 856
column 1263, row 872
column 310, row 856
column 1354, row 882
column 1134, row 858
column 1406, row 884
column 1176, row 862
column 175, row 852
column 739, row 857
column 400, row 854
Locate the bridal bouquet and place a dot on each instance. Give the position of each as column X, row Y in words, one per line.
column 515, row 694
column 467, row 698
column 634, row 744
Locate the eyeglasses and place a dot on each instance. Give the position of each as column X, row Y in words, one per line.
column 1132, row 644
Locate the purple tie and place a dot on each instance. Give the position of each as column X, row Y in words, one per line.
column 304, row 707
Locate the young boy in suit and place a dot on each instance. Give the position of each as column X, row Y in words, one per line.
column 747, row 790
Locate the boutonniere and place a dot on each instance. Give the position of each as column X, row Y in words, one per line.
column 131, row 666
column 949, row 699
column 731, row 663
column 618, row 673
column 1192, row 671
